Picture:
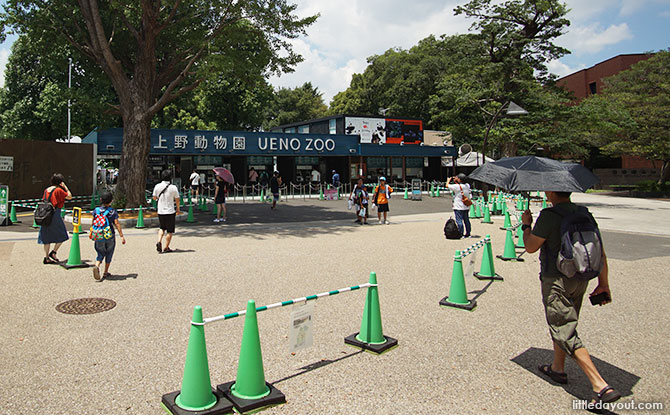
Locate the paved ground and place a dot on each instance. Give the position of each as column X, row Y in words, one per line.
column 449, row 361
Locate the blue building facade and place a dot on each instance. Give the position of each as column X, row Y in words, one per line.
column 298, row 157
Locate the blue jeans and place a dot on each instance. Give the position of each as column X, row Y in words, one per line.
column 463, row 216
column 105, row 249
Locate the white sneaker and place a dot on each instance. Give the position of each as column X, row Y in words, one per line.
column 388, row 223
column 380, row 222
column 216, row 220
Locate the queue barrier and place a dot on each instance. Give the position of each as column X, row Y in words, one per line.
column 249, row 391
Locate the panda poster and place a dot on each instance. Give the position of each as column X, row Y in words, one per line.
column 370, row 130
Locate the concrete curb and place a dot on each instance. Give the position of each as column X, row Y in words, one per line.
column 130, row 222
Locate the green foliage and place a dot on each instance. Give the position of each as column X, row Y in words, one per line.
column 630, row 116
column 653, row 186
column 297, row 104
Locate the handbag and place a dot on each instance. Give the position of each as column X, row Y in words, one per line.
column 44, row 211
column 466, row 200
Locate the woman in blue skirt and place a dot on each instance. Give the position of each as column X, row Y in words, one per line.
column 55, row 233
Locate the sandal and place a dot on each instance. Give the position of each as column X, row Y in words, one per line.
column 166, row 250
column 48, row 260
column 52, row 255
column 606, row 395
column 159, row 248
column 557, row 377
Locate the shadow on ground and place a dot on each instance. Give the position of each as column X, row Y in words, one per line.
column 317, row 365
column 578, row 386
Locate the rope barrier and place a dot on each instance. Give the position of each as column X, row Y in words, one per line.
column 284, row 303
column 473, row 248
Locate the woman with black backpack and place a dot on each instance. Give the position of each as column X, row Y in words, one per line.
column 53, row 231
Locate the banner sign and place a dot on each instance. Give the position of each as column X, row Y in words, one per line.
column 371, row 130
column 6, row 163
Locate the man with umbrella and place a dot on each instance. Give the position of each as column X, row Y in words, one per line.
column 562, row 294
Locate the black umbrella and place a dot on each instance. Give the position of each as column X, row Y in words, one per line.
column 529, row 173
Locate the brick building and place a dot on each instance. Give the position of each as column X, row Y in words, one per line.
column 589, row 81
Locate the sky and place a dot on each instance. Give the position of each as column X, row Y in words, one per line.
column 349, row 31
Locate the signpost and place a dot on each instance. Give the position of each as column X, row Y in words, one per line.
column 76, row 219
column 416, row 189
column 4, row 205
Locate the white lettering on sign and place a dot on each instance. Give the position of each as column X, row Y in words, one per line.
column 161, row 142
column 273, row 143
column 200, row 142
column 330, row 144
column 308, row 147
column 318, row 144
column 262, row 143
column 6, row 163
column 239, row 143
column 220, row 142
column 283, row 144
column 180, row 141
column 295, row 144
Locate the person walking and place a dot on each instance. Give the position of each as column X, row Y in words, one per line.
column 105, row 247
column 358, row 199
column 55, row 232
column 275, row 182
column 220, row 199
column 167, row 196
column 381, row 199
column 462, row 192
column 562, row 296
column 195, row 182
column 253, row 178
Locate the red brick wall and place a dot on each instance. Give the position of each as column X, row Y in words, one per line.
column 633, row 162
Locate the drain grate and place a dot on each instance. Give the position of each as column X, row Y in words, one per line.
column 86, row 306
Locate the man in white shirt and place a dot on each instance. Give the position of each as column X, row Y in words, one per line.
column 167, row 196
column 195, row 182
column 316, row 176
column 461, row 211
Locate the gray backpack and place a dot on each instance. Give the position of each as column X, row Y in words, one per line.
column 581, row 250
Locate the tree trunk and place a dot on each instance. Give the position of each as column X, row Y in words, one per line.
column 509, row 149
column 665, row 172
column 134, row 158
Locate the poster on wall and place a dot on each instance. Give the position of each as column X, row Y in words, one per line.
column 371, row 130
column 406, row 131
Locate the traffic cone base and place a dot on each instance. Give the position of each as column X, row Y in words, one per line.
column 515, row 258
column 458, row 294
column 487, row 215
column 389, row 343
column 274, row 397
column 74, row 257
column 470, row 305
column 222, row 405
column 495, row 277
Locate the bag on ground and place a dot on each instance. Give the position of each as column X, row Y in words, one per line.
column 581, row 246
column 100, row 228
column 44, row 211
column 451, row 230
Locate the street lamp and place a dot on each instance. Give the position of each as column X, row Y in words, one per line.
column 511, row 108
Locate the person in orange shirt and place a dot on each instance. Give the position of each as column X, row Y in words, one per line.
column 381, row 199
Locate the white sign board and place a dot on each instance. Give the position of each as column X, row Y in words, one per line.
column 371, row 130
column 300, row 329
column 6, row 163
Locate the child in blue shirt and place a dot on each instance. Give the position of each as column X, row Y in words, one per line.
column 105, row 247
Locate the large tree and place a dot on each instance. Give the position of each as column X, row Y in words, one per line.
column 630, row 116
column 153, row 51
column 296, row 104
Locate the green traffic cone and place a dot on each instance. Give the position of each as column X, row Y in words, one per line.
column 519, row 241
column 189, row 200
column 544, row 202
column 12, row 214
column 196, row 387
column 458, row 294
column 504, row 207
column 250, row 381
column 74, row 257
column 487, row 270
column 321, row 193
column 406, row 194
column 371, row 337
column 189, row 218
column 140, row 219
column 35, row 225
column 472, row 213
column 487, row 215
column 63, row 212
column 438, row 191
column 507, row 222
column 478, row 211
column 509, row 252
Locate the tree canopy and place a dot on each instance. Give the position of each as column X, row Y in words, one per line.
column 296, row 104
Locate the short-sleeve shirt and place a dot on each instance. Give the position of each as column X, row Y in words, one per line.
column 112, row 215
column 167, row 199
column 381, row 197
column 548, row 226
column 316, row 176
column 195, row 179
column 458, row 195
column 253, row 176
column 58, row 196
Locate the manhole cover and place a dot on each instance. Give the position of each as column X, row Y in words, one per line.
column 86, row 306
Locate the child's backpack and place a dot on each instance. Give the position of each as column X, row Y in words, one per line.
column 451, row 230
column 581, row 246
column 100, row 228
